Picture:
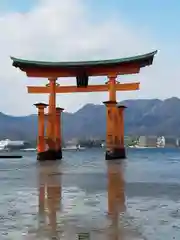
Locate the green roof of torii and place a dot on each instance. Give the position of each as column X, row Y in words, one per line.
column 143, row 60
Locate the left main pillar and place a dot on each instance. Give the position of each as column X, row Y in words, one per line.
column 41, row 127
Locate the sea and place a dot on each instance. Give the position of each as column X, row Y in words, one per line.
column 85, row 197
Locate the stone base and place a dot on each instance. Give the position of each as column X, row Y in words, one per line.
column 49, row 155
column 118, row 153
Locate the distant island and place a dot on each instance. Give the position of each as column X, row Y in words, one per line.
column 82, row 144
column 143, row 117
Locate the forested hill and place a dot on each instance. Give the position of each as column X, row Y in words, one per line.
column 142, row 117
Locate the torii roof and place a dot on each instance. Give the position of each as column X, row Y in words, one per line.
column 88, row 67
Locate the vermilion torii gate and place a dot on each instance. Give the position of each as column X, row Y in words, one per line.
column 82, row 71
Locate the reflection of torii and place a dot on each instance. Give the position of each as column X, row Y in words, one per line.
column 116, row 195
column 49, row 194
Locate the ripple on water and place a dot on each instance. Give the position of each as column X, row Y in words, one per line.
column 154, row 219
column 85, row 208
column 79, row 214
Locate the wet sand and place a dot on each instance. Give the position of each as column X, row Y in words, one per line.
column 135, row 199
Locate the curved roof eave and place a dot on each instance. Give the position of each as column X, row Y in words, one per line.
column 143, row 60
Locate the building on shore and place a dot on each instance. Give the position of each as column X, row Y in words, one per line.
column 177, row 142
column 72, row 142
column 147, row 141
column 161, row 142
column 8, row 144
column 171, row 142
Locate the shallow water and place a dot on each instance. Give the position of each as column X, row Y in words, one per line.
column 138, row 198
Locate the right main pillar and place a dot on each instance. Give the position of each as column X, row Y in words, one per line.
column 114, row 131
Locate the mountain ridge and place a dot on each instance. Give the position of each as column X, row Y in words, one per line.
column 142, row 117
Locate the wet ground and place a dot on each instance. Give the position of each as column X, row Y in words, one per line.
column 83, row 194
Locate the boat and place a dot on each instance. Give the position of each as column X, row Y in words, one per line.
column 10, row 156
column 29, row 150
column 103, row 145
column 73, row 147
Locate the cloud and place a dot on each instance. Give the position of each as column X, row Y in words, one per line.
column 62, row 30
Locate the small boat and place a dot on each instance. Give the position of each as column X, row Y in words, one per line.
column 76, row 148
column 29, row 150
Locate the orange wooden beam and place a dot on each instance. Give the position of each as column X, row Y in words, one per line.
column 100, row 71
column 91, row 88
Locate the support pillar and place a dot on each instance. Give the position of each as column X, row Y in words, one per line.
column 112, row 151
column 114, row 125
column 51, row 153
column 52, row 115
column 120, row 114
column 112, row 88
column 115, row 148
column 41, row 125
column 58, row 133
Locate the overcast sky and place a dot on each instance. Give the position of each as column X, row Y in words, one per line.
column 62, row 30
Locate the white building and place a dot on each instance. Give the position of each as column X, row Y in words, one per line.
column 147, row 141
column 161, row 141
column 6, row 144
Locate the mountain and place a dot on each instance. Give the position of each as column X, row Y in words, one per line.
column 142, row 117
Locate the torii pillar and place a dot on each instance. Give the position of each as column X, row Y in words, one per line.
column 51, row 152
column 114, row 125
column 58, row 132
column 52, row 114
column 120, row 112
column 41, row 126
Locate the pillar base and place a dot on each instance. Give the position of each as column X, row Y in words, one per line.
column 117, row 153
column 59, row 154
column 49, row 155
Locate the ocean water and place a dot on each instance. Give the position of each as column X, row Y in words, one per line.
column 137, row 198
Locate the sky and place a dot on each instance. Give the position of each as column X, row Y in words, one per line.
column 74, row 30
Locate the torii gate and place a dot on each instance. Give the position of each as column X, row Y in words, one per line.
column 82, row 70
